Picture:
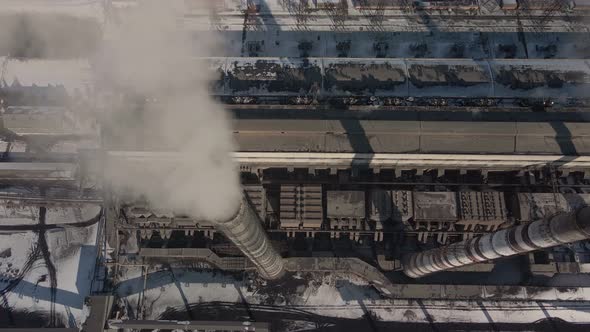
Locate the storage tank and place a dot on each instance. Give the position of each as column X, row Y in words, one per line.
column 245, row 232
column 562, row 228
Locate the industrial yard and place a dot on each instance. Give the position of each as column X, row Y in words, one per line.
column 295, row 165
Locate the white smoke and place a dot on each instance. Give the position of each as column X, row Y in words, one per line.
column 151, row 56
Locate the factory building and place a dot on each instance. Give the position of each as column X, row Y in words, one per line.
column 411, row 163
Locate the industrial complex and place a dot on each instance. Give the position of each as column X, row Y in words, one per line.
column 295, row 165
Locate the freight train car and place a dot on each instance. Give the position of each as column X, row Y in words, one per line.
column 402, row 81
column 333, row 81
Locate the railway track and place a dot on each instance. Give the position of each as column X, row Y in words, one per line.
column 398, row 304
column 46, row 227
column 41, row 250
column 49, row 201
column 34, row 255
column 49, row 265
column 408, row 23
column 407, row 16
column 333, row 316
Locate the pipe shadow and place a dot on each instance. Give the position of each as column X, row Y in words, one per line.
column 488, row 316
column 429, row 317
column 564, row 139
column 354, row 293
column 181, row 292
column 550, row 319
column 360, row 144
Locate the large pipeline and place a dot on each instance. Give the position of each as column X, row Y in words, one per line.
column 560, row 229
column 245, row 231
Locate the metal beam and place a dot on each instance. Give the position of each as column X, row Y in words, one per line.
column 490, row 162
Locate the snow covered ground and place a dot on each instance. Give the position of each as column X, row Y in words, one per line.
column 331, row 295
column 13, row 215
column 59, row 215
column 18, row 215
column 14, row 251
column 73, row 254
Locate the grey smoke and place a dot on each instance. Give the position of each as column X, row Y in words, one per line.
column 154, row 96
column 27, row 35
column 150, row 58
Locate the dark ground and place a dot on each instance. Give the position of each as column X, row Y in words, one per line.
column 284, row 319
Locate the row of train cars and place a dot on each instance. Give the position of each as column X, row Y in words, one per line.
column 399, row 81
column 352, row 81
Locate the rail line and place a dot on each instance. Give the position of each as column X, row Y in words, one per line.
column 39, row 227
column 49, row 265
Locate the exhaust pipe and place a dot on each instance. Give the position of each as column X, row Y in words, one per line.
column 245, row 232
column 560, row 229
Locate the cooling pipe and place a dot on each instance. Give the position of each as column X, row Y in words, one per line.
column 245, row 231
column 559, row 229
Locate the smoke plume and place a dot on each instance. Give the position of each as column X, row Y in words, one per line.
column 160, row 101
column 31, row 35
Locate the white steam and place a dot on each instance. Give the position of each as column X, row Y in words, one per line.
column 152, row 58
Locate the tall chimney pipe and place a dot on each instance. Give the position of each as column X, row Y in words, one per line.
column 559, row 229
column 245, row 232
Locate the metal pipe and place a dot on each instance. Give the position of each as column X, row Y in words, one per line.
column 245, row 232
column 560, row 229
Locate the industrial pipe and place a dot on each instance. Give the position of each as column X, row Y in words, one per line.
column 557, row 230
column 245, row 231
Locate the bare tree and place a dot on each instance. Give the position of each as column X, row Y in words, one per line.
column 539, row 20
column 300, row 10
column 374, row 11
column 338, row 13
column 301, row 15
